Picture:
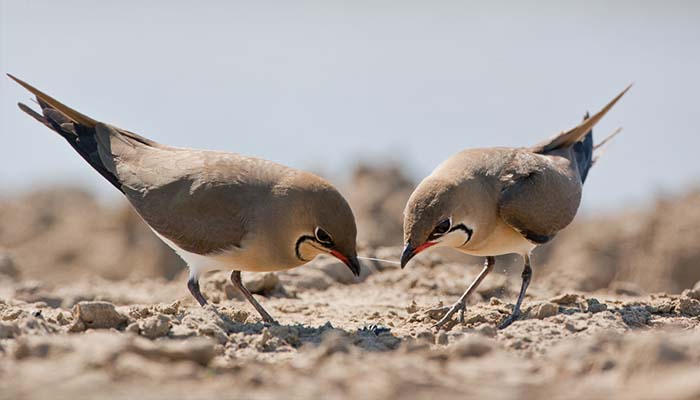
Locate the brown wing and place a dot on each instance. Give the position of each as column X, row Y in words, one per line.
column 203, row 201
column 540, row 196
column 201, row 219
column 200, row 200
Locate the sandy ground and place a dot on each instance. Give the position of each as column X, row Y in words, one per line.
column 92, row 306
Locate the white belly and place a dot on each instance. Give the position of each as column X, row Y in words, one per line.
column 238, row 260
column 197, row 263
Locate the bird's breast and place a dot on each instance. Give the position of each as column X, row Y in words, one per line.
column 253, row 255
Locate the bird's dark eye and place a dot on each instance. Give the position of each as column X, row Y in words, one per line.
column 442, row 227
column 323, row 236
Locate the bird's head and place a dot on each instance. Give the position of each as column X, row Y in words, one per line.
column 326, row 224
column 438, row 214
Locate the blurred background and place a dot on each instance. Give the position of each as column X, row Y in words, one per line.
column 367, row 94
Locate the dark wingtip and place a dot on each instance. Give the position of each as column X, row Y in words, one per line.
column 536, row 238
column 29, row 111
column 25, row 108
column 14, row 78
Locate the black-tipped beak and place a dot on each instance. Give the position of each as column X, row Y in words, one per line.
column 409, row 252
column 354, row 265
column 350, row 261
column 407, row 255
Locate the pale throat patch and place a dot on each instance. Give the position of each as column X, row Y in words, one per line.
column 309, row 249
column 456, row 238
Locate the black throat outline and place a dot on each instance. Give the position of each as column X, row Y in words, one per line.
column 464, row 229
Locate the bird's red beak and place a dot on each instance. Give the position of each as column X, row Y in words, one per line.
column 351, row 261
column 409, row 252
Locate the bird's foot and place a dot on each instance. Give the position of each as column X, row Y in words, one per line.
column 458, row 306
column 511, row 318
column 267, row 318
column 437, row 312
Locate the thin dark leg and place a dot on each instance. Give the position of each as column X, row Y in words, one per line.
column 461, row 304
column 238, row 283
column 193, row 285
column 527, row 274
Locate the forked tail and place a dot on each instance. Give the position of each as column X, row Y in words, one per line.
column 580, row 139
column 78, row 130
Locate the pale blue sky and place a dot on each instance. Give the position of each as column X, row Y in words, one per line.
column 319, row 85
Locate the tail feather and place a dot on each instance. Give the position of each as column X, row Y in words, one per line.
column 77, row 129
column 600, row 148
column 574, row 135
column 70, row 115
column 49, row 101
column 607, row 139
column 34, row 114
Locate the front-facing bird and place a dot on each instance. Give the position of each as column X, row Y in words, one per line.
column 216, row 210
column 494, row 201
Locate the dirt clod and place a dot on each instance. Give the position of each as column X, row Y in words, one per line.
column 96, row 315
column 155, row 326
column 543, row 310
column 689, row 306
column 594, row 306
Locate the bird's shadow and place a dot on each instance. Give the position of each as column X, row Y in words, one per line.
column 370, row 337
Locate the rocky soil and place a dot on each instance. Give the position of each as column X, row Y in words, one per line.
column 93, row 306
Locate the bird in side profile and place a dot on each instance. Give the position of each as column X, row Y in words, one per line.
column 217, row 210
column 493, row 201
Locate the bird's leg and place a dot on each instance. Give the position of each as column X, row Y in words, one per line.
column 526, row 275
column 193, row 286
column 461, row 304
column 238, row 283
